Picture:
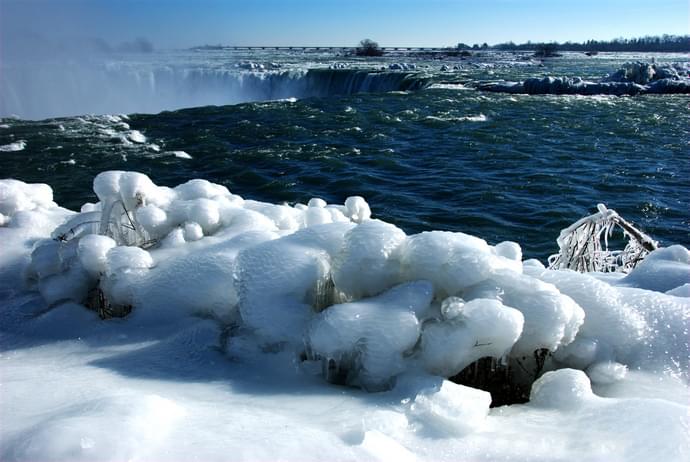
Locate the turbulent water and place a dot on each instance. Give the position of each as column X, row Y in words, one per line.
column 425, row 149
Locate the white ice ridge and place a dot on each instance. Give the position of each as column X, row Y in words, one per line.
column 340, row 288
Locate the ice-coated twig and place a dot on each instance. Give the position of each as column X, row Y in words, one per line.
column 122, row 227
column 580, row 244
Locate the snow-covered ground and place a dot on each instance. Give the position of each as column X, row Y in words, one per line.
column 240, row 308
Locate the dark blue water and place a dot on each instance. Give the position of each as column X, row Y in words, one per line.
column 498, row 166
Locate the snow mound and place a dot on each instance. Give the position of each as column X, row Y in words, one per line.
column 561, row 389
column 16, row 197
column 235, row 307
column 358, row 335
column 352, row 295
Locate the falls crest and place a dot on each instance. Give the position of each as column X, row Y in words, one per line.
column 53, row 91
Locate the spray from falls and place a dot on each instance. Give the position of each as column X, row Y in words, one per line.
column 50, row 90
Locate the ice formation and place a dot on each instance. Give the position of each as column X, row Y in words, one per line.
column 633, row 78
column 210, row 280
column 355, row 293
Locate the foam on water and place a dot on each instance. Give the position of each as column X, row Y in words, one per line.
column 12, row 147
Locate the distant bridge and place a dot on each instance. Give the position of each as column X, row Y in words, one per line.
column 333, row 48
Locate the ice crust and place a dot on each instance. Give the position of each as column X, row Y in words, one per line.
column 349, row 288
column 215, row 280
column 633, row 78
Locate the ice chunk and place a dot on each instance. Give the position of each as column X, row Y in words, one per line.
column 551, row 318
column 205, row 213
column 441, row 408
column 92, row 250
column 135, row 189
column 181, row 155
column 368, row 263
column 316, row 216
column 452, row 307
column 153, row 219
column 284, row 217
column 483, row 328
column 368, row 338
column 136, row 136
column 106, row 185
column 452, row 261
column 199, row 282
column 77, row 226
column 316, row 202
column 198, row 188
column 89, row 207
column 357, row 209
column 175, row 238
column 533, row 266
column 337, row 213
column 563, row 389
column 192, row 232
column 508, row 249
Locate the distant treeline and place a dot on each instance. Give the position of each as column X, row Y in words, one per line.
column 664, row 43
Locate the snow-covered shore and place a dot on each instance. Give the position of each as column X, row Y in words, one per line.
column 239, row 309
column 634, row 78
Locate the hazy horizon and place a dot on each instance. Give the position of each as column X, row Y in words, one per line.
column 436, row 23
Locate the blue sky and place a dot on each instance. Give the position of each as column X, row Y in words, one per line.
column 177, row 23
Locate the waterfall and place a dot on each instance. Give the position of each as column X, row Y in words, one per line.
column 51, row 90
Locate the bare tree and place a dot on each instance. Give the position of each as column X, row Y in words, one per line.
column 368, row 47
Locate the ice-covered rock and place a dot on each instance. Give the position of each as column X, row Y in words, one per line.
column 451, row 261
column 365, row 298
column 480, row 328
column 552, row 319
column 367, row 339
column 236, row 305
column 279, row 281
column 632, row 79
column 93, row 250
column 369, row 261
column 402, row 66
column 644, row 73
